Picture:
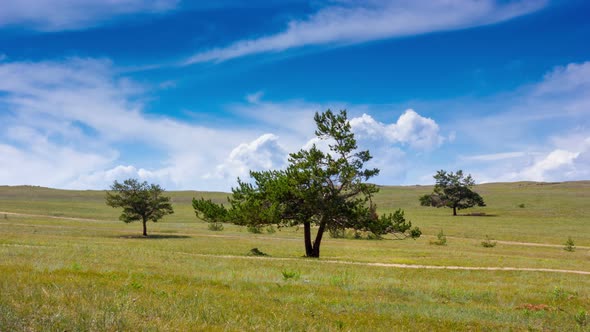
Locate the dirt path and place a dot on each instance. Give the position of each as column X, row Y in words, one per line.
column 49, row 216
column 400, row 266
column 517, row 243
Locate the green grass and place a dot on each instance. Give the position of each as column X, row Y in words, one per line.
column 60, row 274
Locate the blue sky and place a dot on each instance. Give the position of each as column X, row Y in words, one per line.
column 193, row 95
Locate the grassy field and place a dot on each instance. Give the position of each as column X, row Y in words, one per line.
column 97, row 273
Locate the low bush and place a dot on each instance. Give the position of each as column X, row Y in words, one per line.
column 215, row 226
column 488, row 242
column 287, row 275
column 569, row 245
column 441, row 239
column 256, row 252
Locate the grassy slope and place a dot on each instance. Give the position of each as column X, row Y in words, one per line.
column 96, row 275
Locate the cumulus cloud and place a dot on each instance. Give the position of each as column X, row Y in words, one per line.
column 411, row 128
column 56, row 15
column 350, row 22
column 557, row 160
column 263, row 153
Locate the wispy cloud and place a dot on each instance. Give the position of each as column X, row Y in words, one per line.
column 544, row 125
column 56, row 15
column 351, row 22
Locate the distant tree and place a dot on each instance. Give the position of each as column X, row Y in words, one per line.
column 325, row 189
column 140, row 201
column 452, row 190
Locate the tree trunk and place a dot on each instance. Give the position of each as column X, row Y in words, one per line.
column 145, row 227
column 454, row 210
column 307, row 239
column 318, row 240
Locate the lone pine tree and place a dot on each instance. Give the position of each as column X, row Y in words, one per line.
column 453, row 190
column 140, row 201
column 326, row 189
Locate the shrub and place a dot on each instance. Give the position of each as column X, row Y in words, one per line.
column 569, row 245
column 488, row 242
column 215, row 226
column 582, row 318
column 256, row 252
column 441, row 239
column 337, row 233
column 270, row 229
column 256, row 229
column 521, row 205
column 373, row 236
column 290, row 275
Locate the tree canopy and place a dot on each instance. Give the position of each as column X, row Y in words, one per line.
column 326, row 189
column 140, row 201
column 453, row 190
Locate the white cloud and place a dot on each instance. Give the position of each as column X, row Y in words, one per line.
column 411, row 128
column 65, row 124
column 255, row 98
column 45, row 163
column 102, row 178
column 70, row 118
column 564, row 158
column 568, row 78
column 56, row 15
column 263, row 153
column 541, row 124
column 495, row 156
column 557, row 160
column 350, row 22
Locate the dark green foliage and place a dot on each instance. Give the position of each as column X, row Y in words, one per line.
column 488, row 242
column 327, row 190
column 569, row 245
column 214, row 214
column 255, row 229
column 206, row 210
column 256, row 252
column 140, row 201
column 453, row 190
column 215, row 226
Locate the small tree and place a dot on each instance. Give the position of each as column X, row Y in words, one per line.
column 569, row 245
column 323, row 189
column 140, row 201
column 453, row 190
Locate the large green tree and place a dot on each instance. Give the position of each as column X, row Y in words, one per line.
column 326, row 189
column 140, row 201
column 453, row 190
